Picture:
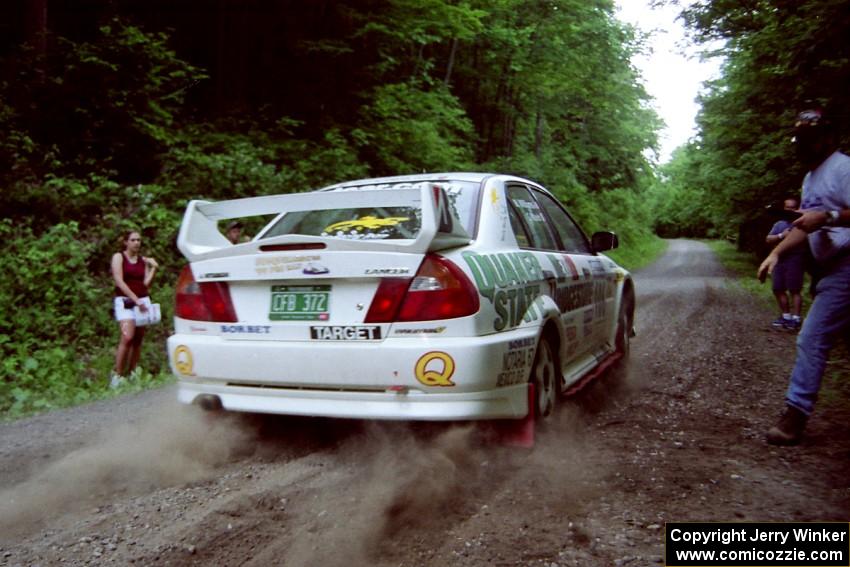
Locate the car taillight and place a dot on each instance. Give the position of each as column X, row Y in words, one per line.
column 387, row 300
column 205, row 301
column 440, row 290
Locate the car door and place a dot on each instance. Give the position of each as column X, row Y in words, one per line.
column 598, row 318
column 574, row 276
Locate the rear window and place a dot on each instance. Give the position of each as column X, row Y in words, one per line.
column 383, row 223
column 376, row 222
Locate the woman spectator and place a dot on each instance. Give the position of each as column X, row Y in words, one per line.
column 132, row 274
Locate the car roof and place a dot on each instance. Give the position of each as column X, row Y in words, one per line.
column 474, row 177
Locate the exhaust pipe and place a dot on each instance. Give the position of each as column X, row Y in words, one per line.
column 208, row 402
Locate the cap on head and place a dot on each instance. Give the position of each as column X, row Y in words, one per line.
column 234, row 224
column 811, row 118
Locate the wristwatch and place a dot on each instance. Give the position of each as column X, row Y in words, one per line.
column 832, row 217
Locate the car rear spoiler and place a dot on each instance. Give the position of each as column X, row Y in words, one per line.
column 201, row 239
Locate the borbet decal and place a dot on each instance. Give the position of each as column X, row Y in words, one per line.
column 247, row 329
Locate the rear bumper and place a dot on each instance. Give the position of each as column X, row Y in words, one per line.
column 510, row 402
column 449, row 378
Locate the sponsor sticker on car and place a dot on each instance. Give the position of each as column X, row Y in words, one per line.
column 346, row 333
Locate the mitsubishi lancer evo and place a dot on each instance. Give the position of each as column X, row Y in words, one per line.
column 454, row 296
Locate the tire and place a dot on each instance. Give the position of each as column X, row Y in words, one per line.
column 544, row 376
column 622, row 345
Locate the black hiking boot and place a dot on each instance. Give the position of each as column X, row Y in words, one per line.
column 789, row 430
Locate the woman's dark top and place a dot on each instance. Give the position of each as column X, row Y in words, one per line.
column 134, row 277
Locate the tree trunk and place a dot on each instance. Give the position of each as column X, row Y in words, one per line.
column 220, row 47
column 451, row 62
column 37, row 25
column 538, row 134
column 498, row 113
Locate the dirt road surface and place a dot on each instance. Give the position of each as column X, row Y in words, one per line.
column 140, row 480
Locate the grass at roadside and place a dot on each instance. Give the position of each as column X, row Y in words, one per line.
column 47, row 388
column 634, row 256
column 744, row 266
column 835, row 391
column 27, row 403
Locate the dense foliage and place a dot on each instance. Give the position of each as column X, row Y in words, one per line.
column 114, row 116
column 781, row 56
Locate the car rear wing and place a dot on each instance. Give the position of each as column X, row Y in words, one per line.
column 200, row 238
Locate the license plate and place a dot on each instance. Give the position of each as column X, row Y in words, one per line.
column 300, row 303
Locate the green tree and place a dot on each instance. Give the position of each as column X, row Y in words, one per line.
column 781, row 56
column 407, row 128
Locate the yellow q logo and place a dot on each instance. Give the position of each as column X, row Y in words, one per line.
column 183, row 360
column 431, row 377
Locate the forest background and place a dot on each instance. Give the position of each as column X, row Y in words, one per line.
column 114, row 113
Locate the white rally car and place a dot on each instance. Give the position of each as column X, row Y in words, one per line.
column 456, row 296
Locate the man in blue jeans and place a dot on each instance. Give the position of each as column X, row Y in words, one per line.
column 825, row 223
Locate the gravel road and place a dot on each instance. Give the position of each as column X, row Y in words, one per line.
column 141, row 480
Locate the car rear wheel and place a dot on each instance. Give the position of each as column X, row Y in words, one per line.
column 545, row 379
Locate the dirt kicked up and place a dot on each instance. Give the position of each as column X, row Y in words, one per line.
column 141, row 480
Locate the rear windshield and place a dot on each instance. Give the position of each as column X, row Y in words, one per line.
column 376, row 222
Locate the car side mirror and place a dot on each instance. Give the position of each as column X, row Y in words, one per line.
column 604, row 240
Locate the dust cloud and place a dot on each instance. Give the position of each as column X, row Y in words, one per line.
column 400, row 479
column 388, row 482
column 174, row 445
column 415, row 485
column 614, row 388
